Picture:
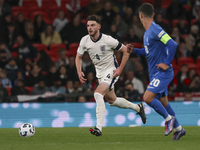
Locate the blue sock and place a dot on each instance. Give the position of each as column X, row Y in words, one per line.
column 171, row 112
column 159, row 108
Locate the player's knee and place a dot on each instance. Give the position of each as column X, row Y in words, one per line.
column 146, row 99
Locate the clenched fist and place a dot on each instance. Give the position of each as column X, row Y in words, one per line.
column 130, row 48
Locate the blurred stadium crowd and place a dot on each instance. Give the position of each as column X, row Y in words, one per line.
column 39, row 39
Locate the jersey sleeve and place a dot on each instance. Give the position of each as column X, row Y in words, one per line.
column 115, row 44
column 81, row 48
column 159, row 34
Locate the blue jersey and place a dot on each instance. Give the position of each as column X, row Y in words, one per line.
column 155, row 39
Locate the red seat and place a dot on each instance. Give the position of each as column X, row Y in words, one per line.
column 17, row 10
column 166, row 3
column 185, row 60
column 74, row 46
column 70, row 53
column 43, row 13
column 15, row 45
column 28, row 3
column 53, row 14
column 193, row 21
column 57, row 46
column 84, row 21
column 149, row 1
column 192, row 66
column 84, row 2
column 184, row 36
column 54, row 55
column 48, row 3
column 64, row 2
column 30, row 89
column 40, row 46
column 137, row 45
column 14, row 54
column 166, row 21
column 9, row 90
column 175, row 22
column 187, row 7
column 54, row 59
column 198, row 62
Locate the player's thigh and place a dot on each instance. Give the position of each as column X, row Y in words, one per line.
column 110, row 96
column 164, row 101
column 102, row 88
column 148, row 96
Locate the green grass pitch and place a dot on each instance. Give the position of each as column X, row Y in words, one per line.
column 114, row 138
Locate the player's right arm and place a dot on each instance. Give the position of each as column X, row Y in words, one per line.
column 80, row 52
column 131, row 49
column 78, row 68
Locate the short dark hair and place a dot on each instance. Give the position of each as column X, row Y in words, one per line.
column 147, row 9
column 94, row 18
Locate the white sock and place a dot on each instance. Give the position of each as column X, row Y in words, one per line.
column 123, row 103
column 168, row 118
column 100, row 110
column 179, row 128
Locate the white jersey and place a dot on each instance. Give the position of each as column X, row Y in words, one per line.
column 101, row 52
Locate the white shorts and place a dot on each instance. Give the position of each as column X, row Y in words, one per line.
column 108, row 79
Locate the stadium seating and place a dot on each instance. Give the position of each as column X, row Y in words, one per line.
column 193, row 21
column 166, row 21
column 187, row 7
column 14, row 54
column 43, row 13
column 185, row 60
column 30, row 89
column 166, row 3
column 184, row 36
column 15, row 45
column 9, row 90
column 149, row 1
column 84, row 2
column 193, row 66
column 69, row 53
column 176, row 21
column 28, row 3
column 17, row 10
column 137, row 45
column 73, row 48
column 198, row 62
column 48, row 3
column 84, row 21
column 40, row 46
column 57, row 46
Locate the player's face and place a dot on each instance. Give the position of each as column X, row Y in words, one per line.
column 92, row 27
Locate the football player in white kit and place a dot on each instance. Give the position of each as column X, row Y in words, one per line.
column 100, row 48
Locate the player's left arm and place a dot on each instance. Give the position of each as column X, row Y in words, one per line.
column 125, row 58
column 171, row 46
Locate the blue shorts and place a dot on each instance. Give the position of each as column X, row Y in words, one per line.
column 159, row 83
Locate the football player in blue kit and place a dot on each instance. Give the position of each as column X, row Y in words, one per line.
column 159, row 49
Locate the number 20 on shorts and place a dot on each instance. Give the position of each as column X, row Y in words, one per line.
column 155, row 82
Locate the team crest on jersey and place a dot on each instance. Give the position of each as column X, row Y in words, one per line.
column 103, row 49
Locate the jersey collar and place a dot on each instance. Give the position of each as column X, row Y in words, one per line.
column 97, row 39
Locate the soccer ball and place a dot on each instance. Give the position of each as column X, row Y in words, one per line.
column 26, row 130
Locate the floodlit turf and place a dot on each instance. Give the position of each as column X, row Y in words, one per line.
column 114, row 138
